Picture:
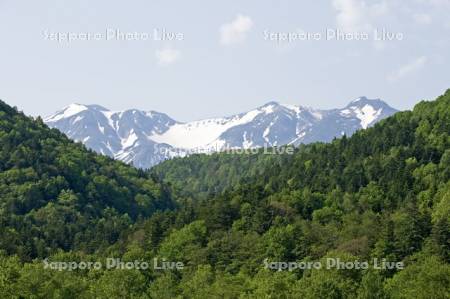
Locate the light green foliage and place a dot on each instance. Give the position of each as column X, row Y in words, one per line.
column 382, row 193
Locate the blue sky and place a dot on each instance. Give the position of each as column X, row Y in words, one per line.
column 222, row 60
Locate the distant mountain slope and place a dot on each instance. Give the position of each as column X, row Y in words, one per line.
column 147, row 138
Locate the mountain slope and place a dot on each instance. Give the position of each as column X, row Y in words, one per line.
column 56, row 194
column 147, row 138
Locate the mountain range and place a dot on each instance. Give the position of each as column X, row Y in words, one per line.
column 146, row 138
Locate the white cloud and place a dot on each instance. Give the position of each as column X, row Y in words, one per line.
column 357, row 15
column 167, row 56
column 407, row 69
column 422, row 18
column 236, row 31
column 351, row 14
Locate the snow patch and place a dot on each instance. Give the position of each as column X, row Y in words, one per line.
column 345, row 112
column 201, row 133
column 296, row 109
column 130, row 140
column 248, row 143
column 77, row 119
column 317, row 114
column 69, row 111
column 268, row 109
column 366, row 115
column 267, row 132
column 102, row 129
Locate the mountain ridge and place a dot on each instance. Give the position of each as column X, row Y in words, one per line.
column 146, row 138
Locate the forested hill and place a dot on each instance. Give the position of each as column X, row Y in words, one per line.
column 383, row 193
column 379, row 153
column 56, row 194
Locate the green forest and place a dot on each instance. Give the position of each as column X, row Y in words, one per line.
column 382, row 194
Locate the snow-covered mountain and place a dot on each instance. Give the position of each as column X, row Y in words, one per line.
column 147, row 138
